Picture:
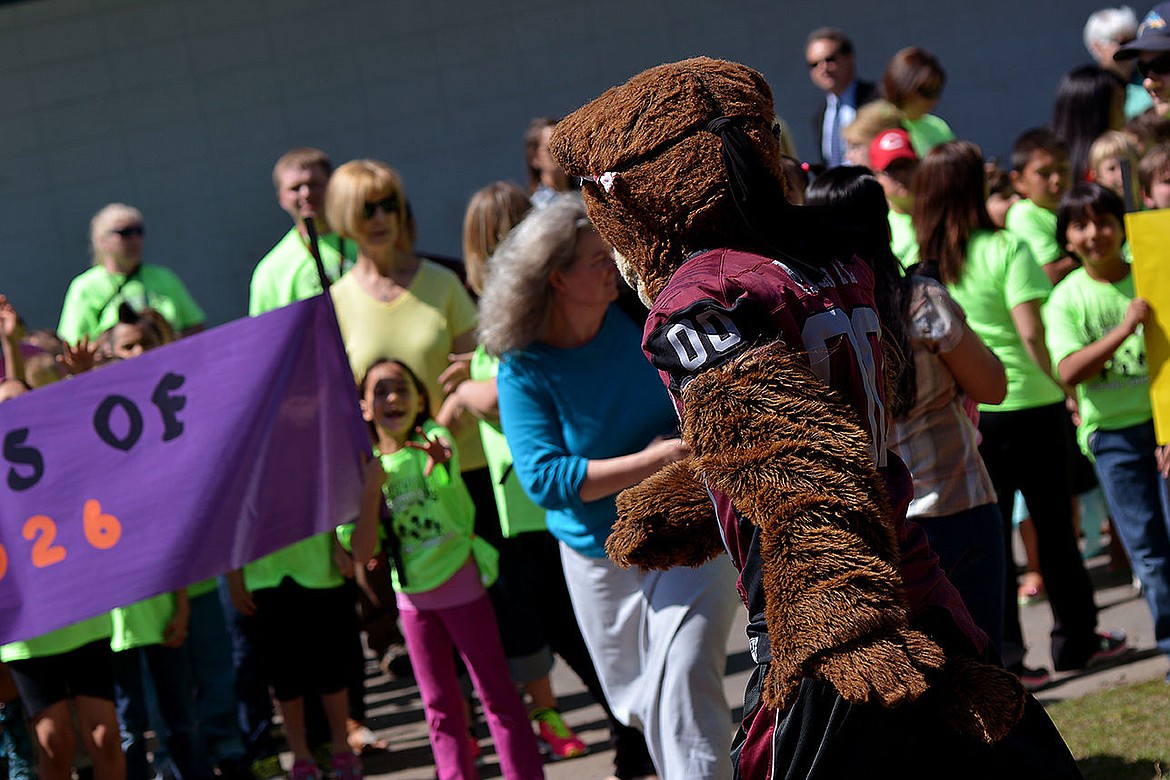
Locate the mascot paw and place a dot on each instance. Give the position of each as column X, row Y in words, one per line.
column 666, row 520
column 886, row 670
column 983, row 702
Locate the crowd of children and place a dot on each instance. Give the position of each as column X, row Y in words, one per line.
column 1031, row 282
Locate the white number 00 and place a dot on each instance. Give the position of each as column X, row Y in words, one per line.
column 716, row 333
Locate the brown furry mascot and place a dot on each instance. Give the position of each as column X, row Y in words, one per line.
column 767, row 330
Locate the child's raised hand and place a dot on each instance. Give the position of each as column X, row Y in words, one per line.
column 9, row 320
column 436, row 449
column 80, row 357
column 1136, row 313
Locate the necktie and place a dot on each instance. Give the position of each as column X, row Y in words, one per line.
column 836, row 152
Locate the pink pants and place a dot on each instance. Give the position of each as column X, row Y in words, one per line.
column 471, row 629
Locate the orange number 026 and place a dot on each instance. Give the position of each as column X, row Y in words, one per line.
column 102, row 531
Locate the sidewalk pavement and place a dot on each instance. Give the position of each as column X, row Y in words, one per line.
column 396, row 713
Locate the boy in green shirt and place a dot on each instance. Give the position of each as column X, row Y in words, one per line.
column 1040, row 173
column 1154, row 176
column 894, row 163
column 1094, row 334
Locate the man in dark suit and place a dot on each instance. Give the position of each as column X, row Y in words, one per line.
column 829, row 54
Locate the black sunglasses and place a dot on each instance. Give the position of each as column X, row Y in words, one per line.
column 389, row 205
column 830, row 60
column 132, row 230
column 1159, row 65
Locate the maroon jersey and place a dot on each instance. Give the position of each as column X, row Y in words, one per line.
column 723, row 302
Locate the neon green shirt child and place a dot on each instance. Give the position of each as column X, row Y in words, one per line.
column 1037, row 226
column 1081, row 311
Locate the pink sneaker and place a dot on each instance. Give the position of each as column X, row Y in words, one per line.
column 346, row 766
column 559, row 738
column 304, row 769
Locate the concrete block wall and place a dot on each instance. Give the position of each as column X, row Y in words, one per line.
column 180, row 108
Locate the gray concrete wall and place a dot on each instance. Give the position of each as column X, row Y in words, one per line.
column 181, row 107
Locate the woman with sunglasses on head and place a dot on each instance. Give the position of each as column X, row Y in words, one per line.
column 118, row 275
column 914, row 81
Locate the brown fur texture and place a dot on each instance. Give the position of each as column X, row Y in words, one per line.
column 655, row 226
column 762, row 428
column 665, row 522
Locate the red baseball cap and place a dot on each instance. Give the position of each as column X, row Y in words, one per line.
column 888, row 146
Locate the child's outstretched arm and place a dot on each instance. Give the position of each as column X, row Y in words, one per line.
column 1090, row 360
column 365, row 534
column 437, row 450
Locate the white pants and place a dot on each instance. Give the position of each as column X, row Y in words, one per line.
column 659, row 642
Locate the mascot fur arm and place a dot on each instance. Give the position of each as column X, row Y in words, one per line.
column 793, row 462
column 665, row 521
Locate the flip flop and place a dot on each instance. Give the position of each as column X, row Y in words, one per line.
column 362, row 741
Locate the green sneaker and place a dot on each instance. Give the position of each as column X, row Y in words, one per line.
column 266, row 768
column 556, row 736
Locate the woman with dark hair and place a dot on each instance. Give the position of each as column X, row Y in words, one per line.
column 954, row 500
column 1089, row 101
column 994, row 278
column 914, row 81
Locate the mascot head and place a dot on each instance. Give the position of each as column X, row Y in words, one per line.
column 671, row 159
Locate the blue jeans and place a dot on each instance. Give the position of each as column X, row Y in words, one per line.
column 170, row 673
column 970, row 550
column 1137, row 498
column 254, row 704
column 15, row 743
column 210, row 649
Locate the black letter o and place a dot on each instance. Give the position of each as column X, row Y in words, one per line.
column 101, row 422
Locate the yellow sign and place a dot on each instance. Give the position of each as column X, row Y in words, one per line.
column 1149, row 241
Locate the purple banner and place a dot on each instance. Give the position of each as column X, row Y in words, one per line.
column 154, row 473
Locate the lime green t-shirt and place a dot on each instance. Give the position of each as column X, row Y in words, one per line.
column 91, row 302
column 141, row 623
column 288, row 272
column 432, row 518
column 927, row 132
column 517, row 511
column 60, row 641
column 903, row 239
column 1081, row 311
column 309, row 562
column 1037, row 226
column 203, row 586
column 1000, row 274
column 418, row 328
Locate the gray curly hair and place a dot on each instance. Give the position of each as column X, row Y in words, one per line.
column 517, row 295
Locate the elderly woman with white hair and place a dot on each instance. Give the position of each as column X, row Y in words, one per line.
column 1107, row 30
column 586, row 417
column 118, row 276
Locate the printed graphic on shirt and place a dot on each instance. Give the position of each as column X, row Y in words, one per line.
column 1128, row 364
column 413, row 509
